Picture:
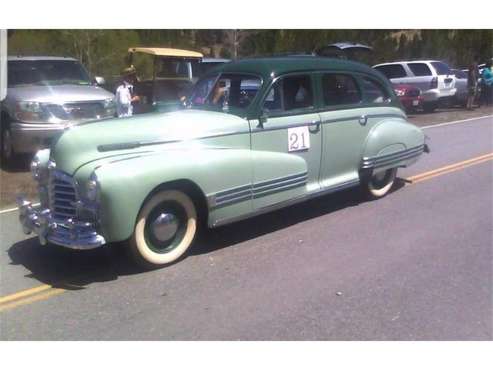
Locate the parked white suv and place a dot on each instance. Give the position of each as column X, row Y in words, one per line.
column 432, row 77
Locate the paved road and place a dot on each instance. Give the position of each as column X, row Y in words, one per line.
column 414, row 265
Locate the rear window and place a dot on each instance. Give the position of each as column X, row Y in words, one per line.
column 459, row 74
column 420, row 69
column 441, row 68
column 392, row 71
column 374, row 91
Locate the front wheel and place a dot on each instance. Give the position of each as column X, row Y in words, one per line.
column 165, row 229
column 380, row 183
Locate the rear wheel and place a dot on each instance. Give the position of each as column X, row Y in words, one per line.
column 380, row 183
column 165, row 229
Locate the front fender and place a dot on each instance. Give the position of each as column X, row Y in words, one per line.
column 125, row 183
column 392, row 143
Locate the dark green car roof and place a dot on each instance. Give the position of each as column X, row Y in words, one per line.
column 271, row 67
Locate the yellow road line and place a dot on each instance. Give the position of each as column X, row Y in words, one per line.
column 45, row 291
column 24, row 293
column 450, row 168
column 44, row 294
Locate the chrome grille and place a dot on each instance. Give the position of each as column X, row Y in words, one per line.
column 63, row 195
column 78, row 111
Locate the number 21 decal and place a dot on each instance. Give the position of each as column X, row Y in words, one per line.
column 298, row 139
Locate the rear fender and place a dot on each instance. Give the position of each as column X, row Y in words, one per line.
column 391, row 143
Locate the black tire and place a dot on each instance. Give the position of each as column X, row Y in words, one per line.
column 159, row 243
column 429, row 107
column 379, row 184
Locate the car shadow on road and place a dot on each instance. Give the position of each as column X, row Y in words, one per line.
column 73, row 270
column 238, row 232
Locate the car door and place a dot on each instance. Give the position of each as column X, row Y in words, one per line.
column 345, row 126
column 286, row 142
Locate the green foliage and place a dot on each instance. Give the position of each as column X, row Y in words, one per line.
column 103, row 52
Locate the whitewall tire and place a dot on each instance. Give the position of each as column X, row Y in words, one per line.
column 380, row 183
column 165, row 228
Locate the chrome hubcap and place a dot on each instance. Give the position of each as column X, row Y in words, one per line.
column 380, row 176
column 165, row 226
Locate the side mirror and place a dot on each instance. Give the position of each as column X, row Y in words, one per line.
column 262, row 118
column 99, row 80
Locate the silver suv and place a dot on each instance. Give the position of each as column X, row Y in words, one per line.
column 44, row 96
column 432, row 77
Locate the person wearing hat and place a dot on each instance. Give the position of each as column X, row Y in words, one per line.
column 125, row 93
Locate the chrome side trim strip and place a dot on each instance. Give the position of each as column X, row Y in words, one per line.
column 137, row 144
column 257, row 190
column 287, row 203
column 388, row 159
column 279, row 179
column 289, row 186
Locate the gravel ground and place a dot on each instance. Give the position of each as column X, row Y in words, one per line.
column 16, row 178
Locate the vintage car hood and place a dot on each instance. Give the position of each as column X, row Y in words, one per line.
column 58, row 93
column 144, row 133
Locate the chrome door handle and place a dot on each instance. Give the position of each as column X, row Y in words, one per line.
column 363, row 119
column 316, row 128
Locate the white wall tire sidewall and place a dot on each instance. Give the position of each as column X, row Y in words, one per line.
column 380, row 192
column 139, row 240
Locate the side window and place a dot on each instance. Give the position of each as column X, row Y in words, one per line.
column 340, row 89
column 419, row 69
column 392, row 71
column 374, row 91
column 290, row 93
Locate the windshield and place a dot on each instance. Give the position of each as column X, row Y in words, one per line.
column 46, row 72
column 225, row 91
column 172, row 68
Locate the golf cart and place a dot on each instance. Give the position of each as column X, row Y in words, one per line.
column 164, row 76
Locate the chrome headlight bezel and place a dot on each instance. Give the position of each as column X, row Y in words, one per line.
column 92, row 188
column 109, row 103
column 35, row 168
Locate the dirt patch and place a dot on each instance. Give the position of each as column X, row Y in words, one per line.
column 17, row 178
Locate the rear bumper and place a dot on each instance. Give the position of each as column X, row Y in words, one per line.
column 410, row 102
column 435, row 95
column 70, row 234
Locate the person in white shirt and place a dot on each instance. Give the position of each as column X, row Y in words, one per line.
column 125, row 93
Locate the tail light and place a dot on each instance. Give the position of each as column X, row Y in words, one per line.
column 434, row 83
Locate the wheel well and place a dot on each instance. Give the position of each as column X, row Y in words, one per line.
column 192, row 190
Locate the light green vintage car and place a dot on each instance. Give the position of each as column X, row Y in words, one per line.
column 256, row 135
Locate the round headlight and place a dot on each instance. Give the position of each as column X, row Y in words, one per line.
column 109, row 103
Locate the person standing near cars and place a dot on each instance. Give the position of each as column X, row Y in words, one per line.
column 472, row 82
column 487, row 83
column 125, row 93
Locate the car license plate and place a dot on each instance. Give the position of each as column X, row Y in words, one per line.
column 415, row 103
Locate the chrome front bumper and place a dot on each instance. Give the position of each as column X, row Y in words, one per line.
column 71, row 234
